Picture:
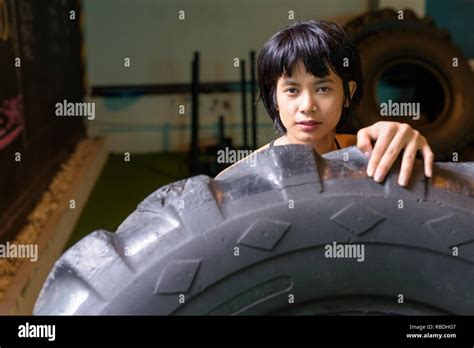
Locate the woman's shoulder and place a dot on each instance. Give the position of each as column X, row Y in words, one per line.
column 346, row 140
column 244, row 159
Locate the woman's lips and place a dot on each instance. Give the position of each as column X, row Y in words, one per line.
column 308, row 125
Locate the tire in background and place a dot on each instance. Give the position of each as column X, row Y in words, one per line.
column 416, row 59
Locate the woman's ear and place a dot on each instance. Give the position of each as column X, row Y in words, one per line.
column 352, row 89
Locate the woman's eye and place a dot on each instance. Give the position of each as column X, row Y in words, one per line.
column 290, row 90
column 324, row 89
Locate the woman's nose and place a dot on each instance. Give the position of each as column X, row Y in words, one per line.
column 308, row 103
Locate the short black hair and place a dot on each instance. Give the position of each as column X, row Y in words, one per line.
column 319, row 45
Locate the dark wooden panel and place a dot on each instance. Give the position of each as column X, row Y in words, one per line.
column 49, row 45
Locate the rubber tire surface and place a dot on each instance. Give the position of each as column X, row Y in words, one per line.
column 373, row 22
column 177, row 253
column 382, row 39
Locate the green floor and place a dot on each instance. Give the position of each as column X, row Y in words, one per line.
column 122, row 185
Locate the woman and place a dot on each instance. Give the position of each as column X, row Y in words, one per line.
column 310, row 79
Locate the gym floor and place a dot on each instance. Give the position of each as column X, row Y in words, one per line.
column 122, row 186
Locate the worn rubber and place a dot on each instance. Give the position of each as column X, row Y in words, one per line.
column 374, row 22
column 179, row 245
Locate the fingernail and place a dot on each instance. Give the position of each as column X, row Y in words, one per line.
column 370, row 171
column 378, row 177
column 402, row 181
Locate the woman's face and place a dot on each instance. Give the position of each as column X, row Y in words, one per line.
column 318, row 101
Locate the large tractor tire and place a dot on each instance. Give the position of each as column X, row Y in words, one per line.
column 374, row 22
column 258, row 240
column 410, row 60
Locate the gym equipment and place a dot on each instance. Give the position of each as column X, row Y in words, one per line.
column 253, row 85
column 205, row 162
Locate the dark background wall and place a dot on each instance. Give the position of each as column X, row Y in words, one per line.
column 48, row 44
column 456, row 16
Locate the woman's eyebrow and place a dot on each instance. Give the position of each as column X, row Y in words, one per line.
column 290, row 82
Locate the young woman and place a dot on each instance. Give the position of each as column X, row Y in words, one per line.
column 310, row 79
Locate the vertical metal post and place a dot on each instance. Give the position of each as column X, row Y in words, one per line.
column 244, row 103
column 195, row 115
column 221, row 131
column 253, row 98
